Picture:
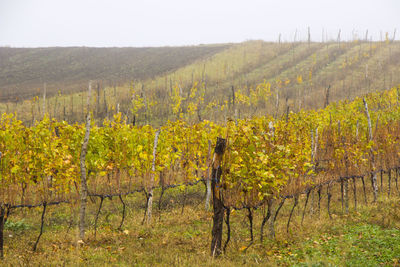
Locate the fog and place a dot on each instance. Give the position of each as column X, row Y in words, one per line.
column 42, row 23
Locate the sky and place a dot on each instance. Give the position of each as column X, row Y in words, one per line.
column 121, row 23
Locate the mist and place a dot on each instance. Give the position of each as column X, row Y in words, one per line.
column 105, row 23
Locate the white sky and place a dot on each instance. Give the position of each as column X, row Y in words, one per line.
column 33, row 23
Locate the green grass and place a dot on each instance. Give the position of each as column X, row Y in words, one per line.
column 345, row 245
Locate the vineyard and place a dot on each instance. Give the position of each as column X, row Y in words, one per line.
column 255, row 166
column 204, row 80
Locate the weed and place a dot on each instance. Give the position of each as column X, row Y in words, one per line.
column 17, row 226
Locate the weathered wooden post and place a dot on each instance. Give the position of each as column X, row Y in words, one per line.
column 152, row 177
column 2, row 221
column 208, row 181
column 84, row 188
column 218, row 206
column 44, row 99
column 373, row 165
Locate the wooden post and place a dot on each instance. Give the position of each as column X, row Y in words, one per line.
column 314, row 147
column 105, row 103
column 64, row 111
column 235, row 114
column 203, row 73
column 389, row 181
column 44, row 99
column 32, row 112
column 82, row 111
column 370, row 137
column 55, row 106
column 153, row 169
column 277, row 103
column 170, row 85
column 84, row 188
column 98, row 100
column 192, row 81
column 355, row 193
column 208, row 181
column 2, row 216
column 72, row 107
column 344, row 182
column 218, row 206
column 327, row 96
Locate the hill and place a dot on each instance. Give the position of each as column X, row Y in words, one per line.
column 24, row 70
column 298, row 76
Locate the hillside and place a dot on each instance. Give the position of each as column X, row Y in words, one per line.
column 24, row 70
column 299, row 75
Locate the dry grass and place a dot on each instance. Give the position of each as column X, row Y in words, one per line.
column 183, row 239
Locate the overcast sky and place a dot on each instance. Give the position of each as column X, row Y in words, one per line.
column 33, row 23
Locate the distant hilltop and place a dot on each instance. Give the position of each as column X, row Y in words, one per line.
column 23, row 71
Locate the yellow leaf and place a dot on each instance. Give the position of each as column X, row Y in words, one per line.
column 242, row 248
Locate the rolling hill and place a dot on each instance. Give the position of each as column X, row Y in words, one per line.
column 23, row 71
column 299, row 75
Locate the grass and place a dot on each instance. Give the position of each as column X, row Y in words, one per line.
column 350, row 244
column 369, row 236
